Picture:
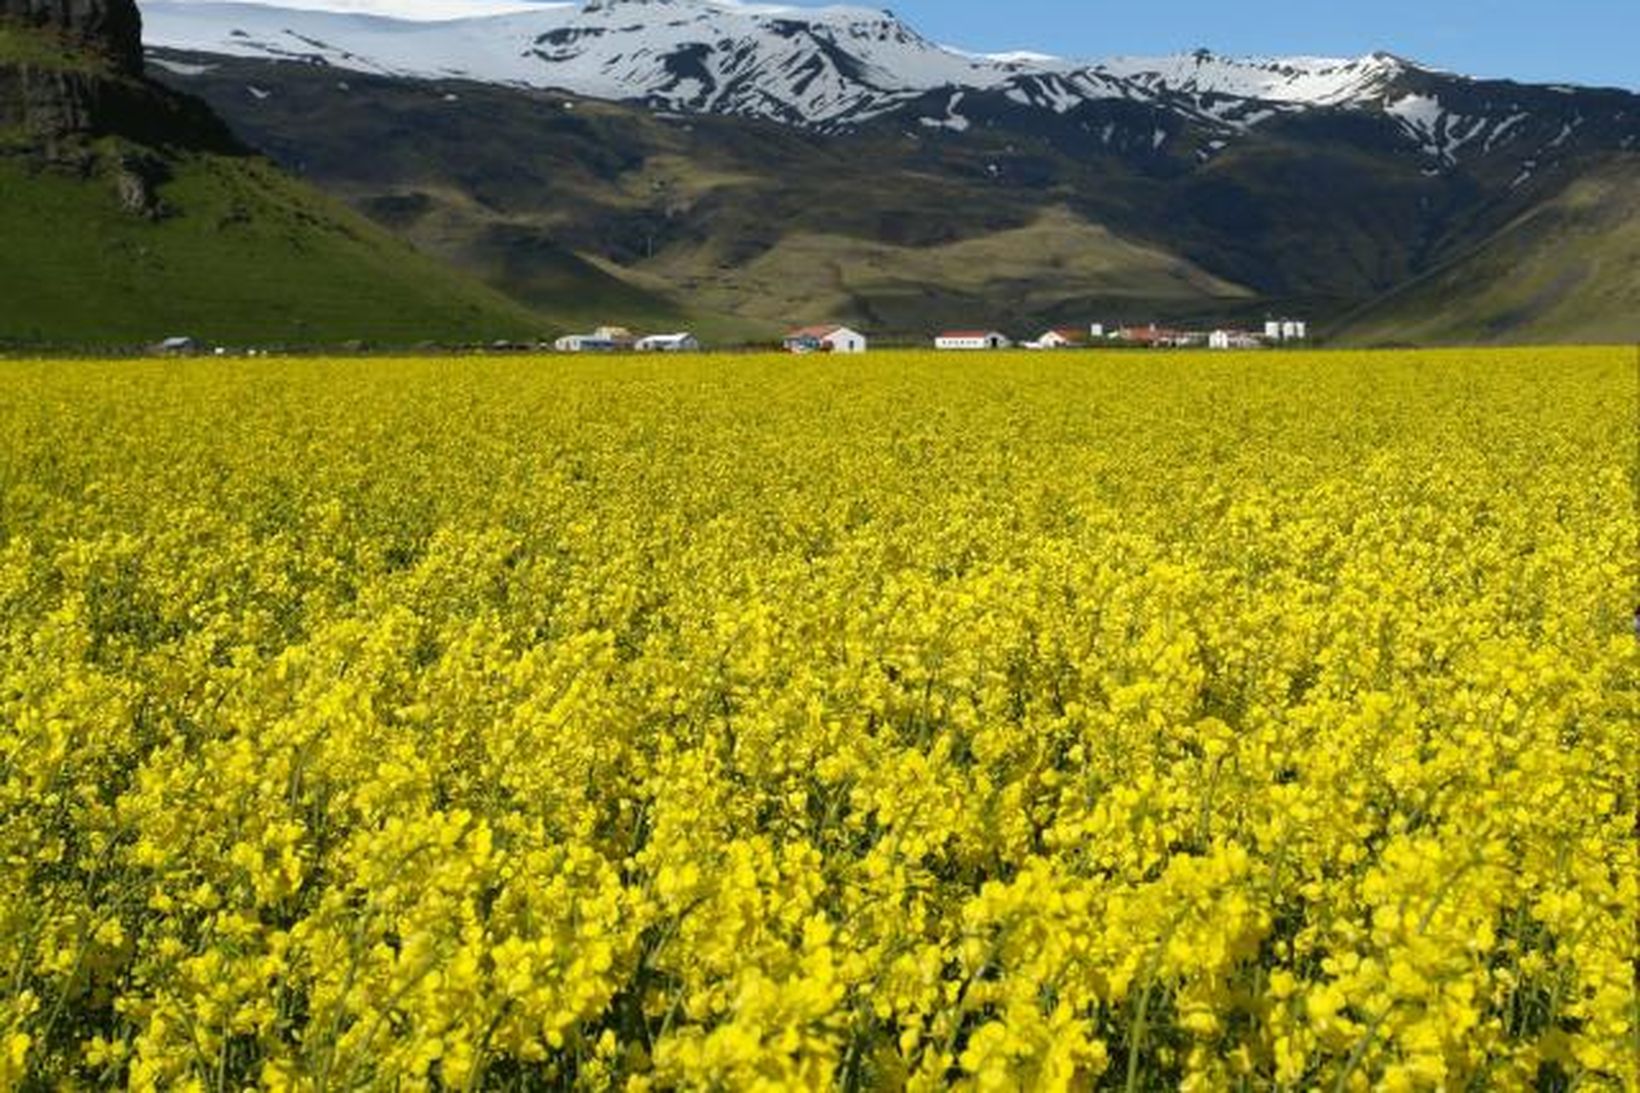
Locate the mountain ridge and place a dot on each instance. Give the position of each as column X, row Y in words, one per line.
column 750, row 165
column 1317, row 212
column 829, row 68
column 109, row 28
column 1567, row 270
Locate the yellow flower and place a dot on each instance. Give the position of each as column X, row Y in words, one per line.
column 744, row 723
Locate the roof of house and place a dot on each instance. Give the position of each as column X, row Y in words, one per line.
column 1069, row 332
column 970, row 334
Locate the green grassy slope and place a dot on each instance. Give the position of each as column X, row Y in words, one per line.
column 529, row 266
column 244, row 255
column 1566, row 271
column 716, row 216
column 1059, row 261
column 1023, row 221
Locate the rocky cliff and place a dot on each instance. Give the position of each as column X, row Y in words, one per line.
column 109, row 29
column 71, row 73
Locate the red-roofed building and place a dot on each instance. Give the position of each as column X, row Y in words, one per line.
column 1160, row 337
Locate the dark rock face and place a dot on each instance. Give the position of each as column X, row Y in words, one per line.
column 48, row 103
column 112, row 28
column 54, row 108
column 51, row 113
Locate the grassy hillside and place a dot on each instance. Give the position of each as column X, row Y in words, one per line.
column 1567, row 271
column 524, row 261
column 241, row 255
column 1023, row 219
column 900, row 233
column 128, row 213
column 1056, row 261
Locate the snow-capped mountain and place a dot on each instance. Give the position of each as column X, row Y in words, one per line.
column 1309, row 184
column 821, row 67
column 837, row 68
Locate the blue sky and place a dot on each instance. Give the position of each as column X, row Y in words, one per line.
column 1577, row 41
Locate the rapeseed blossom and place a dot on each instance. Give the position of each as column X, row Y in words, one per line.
column 1033, row 722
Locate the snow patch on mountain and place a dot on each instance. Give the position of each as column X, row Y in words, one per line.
column 1021, row 57
column 1310, row 81
column 952, row 119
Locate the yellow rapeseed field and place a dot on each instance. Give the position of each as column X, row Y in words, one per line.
column 1026, row 721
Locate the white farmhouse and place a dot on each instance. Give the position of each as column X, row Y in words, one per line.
column 1286, row 330
column 1233, row 339
column 828, row 338
column 1068, row 337
column 682, row 342
column 603, row 340
column 972, row 339
column 581, row 343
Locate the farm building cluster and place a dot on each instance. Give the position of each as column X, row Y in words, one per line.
column 1275, row 332
column 842, row 339
column 832, row 338
column 618, row 339
column 835, row 338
